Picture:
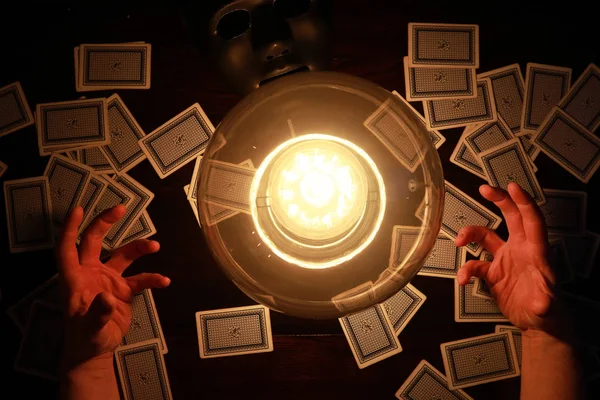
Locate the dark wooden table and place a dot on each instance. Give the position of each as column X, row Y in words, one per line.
column 311, row 358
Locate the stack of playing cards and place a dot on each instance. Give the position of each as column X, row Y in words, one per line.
column 112, row 66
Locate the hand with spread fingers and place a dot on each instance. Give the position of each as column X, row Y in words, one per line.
column 97, row 299
column 523, row 284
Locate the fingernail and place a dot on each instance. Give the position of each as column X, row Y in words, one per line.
column 167, row 281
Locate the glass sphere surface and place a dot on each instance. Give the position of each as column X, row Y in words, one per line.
column 305, row 183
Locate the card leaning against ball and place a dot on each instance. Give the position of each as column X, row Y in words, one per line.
column 234, row 331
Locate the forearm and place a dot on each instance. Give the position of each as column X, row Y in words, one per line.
column 550, row 368
column 90, row 380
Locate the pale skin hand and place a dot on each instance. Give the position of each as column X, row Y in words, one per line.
column 523, row 285
column 97, row 302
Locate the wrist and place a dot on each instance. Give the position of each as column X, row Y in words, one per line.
column 72, row 363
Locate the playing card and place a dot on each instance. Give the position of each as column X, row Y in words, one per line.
column 145, row 324
column 194, row 205
column 582, row 250
column 356, row 297
column 508, row 163
column 565, row 211
column 68, row 181
column 141, row 199
column 445, row 259
column 178, row 141
column 460, row 210
column 453, row 113
column 370, row 335
column 47, row 293
column 143, row 228
column 531, row 150
column 234, row 331
column 480, row 359
column 142, row 371
column 559, row 260
column 480, row 287
column 394, row 133
column 517, row 337
column 468, row 308
column 438, row 83
column 464, row 157
column 436, row 137
column 41, row 347
column 229, row 185
column 92, row 194
column 403, row 240
column 507, row 85
column 123, row 152
column 113, row 195
column 28, row 214
column 581, row 102
column 3, row 168
column 114, row 66
column 403, row 306
column 567, row 142
column 450, row 45
column 14, row 109
column 427, row 383
column 545, row 85
column 94, row 157
column 72, row 124
column 488, row 135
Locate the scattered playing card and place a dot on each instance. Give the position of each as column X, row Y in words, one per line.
column 468, row 308
column 15, row 113
column 427, row 383
column 582, row 250
column 403, row 240
column 370, row 335
column 453, row 113
column 141, row 199
column 92, row 194
column 507, row 85
column 517, row 337
column 436, row 137
column 68, row 182
column 234, row 331
column 145, row 324
column 229, row 185
column 570, row 144
column 559, row 260
column 29, row 214
column 113, row 195
column 142, row 371
column 114, row 66
column 464, row 157
column 394, row 133
column 480, row 359
column 72, row 124
column 178, row 141
column 480, row 287
column 47, row 293
column 565, row 211
column 460, row 210
column 41, row 347
column 451, row 45
column 94, row 157
column 403, row 306
column 3, row 168
column 545, row 86
column 194, row 205
column 124, row 152
column 445, row 259
column 508, row 163
column 489, row 135
column 438, row 83
column 143, row 228
column 580, row 103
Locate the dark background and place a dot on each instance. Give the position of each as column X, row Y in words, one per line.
column 311, row 358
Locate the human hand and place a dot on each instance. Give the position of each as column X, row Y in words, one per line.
column 519, row 277
column 97, row 297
